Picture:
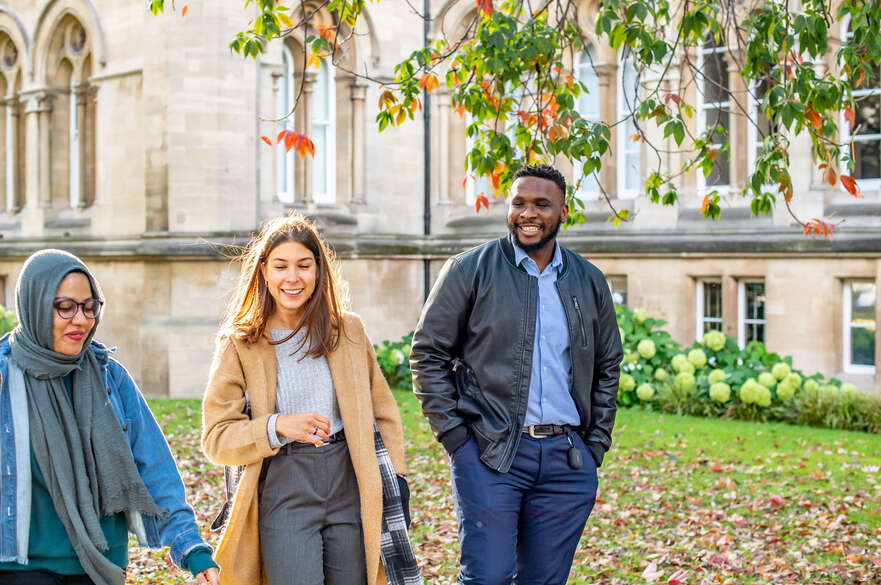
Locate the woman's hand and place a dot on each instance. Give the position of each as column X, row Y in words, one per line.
column 304, row 426
column 210, row 576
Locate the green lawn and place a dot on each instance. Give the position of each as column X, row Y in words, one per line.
column 721, row 501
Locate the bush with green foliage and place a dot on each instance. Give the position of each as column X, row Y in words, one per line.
column 394, row 361
column 7, row 320
column 716, row 378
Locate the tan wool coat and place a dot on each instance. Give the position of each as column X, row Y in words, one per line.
column 229, row 437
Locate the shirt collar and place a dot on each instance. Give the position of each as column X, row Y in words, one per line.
column 520, row 256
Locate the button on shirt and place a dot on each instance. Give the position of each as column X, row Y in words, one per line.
column 550, row 401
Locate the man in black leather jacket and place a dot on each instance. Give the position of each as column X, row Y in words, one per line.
column 516, row 361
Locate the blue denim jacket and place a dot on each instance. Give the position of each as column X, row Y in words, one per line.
column 177, row 530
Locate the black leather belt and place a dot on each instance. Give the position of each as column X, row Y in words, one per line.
column 542, row 431
column 334, row 438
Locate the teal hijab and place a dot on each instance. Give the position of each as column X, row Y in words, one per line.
column 76, row 439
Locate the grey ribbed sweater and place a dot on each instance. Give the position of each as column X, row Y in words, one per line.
column 303, row 384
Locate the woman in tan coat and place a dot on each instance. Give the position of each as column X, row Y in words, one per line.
column 309, row 507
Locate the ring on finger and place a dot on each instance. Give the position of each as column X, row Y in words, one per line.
column 315, row 431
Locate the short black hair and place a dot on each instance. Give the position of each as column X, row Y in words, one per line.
column 543, row 172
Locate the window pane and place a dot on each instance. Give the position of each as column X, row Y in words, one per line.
column 755, row 332
column 712, row 326
column 319, row 168
column 721, row 173
column 618, row 287
column 862, row 295
column 867, row 159
column 755, row 301
column 862, row 344
column 589, row 101
column 713, row 299
column 718, row 117
column 321, row 99
column 867, row 113
column 715, row 79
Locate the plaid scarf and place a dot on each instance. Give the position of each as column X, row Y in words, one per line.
column 394, row 543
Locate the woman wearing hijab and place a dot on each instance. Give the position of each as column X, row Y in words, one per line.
column 83, row 460
column 293, row 396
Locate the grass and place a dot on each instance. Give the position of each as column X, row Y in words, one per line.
column 717, row 501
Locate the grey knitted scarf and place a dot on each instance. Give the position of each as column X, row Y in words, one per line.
column 78, row 444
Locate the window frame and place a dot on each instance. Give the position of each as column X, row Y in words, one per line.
column 73, row 132
column 285, row 171
column 625, row 145
column 846, row 136
column 700, row 317
column 702, row 107
column 742, row 319
column 583, row 64
column 847, row 326
column 329, row 197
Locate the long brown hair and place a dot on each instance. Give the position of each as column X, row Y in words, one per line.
column 252, row 305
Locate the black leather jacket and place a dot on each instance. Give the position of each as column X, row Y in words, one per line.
column 482, row 312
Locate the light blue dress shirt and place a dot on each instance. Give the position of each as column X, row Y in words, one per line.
column 550, row 401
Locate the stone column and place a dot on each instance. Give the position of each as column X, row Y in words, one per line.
column 443, row 141
column 81, row 95
column 44, row 168
column 308, row 89
column 14, row 186
column 357, row 150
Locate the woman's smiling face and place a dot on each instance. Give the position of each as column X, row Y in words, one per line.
column 290, row 273
column 68, row 335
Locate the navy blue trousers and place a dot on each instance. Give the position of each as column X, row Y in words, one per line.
column 522, row 526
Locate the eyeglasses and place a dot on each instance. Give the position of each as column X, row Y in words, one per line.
column 67, row 308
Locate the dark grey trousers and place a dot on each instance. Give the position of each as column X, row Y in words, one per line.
column 310, row 517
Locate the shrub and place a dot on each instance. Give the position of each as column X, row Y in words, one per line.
column 7, row 320
column 394, row 361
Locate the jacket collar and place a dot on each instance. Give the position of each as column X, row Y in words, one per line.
column 507, row 247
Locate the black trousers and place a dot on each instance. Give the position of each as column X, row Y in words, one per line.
column 40, row 577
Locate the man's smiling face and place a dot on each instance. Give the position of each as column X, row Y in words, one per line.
column 535, row 212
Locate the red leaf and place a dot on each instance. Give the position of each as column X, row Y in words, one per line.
column 851, row 185
column 289, row 139
column 677, row 578
column 480, row 200
column 850, row 117
column 673, row 96
column 280, row 136
column 485, row 6
column 266, row 140
column 183, row 11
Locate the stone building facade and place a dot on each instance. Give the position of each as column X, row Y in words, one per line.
column 134, row 141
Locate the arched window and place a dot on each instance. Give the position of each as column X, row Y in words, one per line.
column 12, row 126
column 589, row 109
column 866, row 139
column 324, row 135
column 284, row 160
column 629, row 151
column 714, row 112
column 71, row 127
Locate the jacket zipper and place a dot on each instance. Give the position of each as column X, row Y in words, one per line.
column 580, row 321
column 516, row 435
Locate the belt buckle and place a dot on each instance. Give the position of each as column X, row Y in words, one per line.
column 532, row 432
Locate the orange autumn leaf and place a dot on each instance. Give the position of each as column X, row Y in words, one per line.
column 480, row 200
column 814, row 118
column 327, row 32
column 386, row 99
column 183, row 11
column 831, row 176
column 465, row 181
column 556, row 132
column 485, row 6
column 460, row 110
column 304, row 145
column 636, row 137
column 266, row 140
column 712, row 153
column 289, row 138
column 819, row 227
column 428, row 82
column 850, row 117
column 851, row 186
column 861, row 78
column 705, row 204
